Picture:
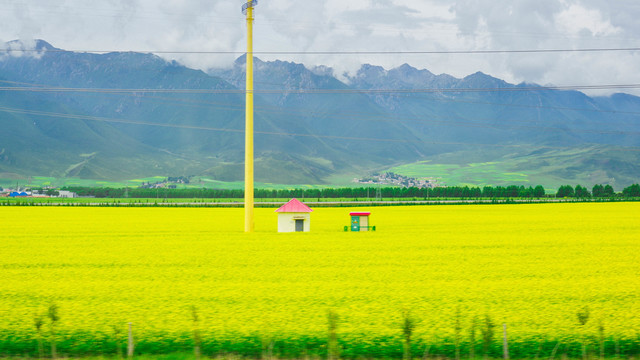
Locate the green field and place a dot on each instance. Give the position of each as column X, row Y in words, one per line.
column 473, row 174
column 528, row 166
column 196, row 183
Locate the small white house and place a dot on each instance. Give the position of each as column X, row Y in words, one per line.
column 294, row 216
column 67, row 194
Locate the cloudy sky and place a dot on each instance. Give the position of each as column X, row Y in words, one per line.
column 337, row 26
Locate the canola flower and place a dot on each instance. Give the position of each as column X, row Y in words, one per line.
column 530, row 266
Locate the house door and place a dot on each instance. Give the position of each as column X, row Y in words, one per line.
column 355, row 223
column 299, row 225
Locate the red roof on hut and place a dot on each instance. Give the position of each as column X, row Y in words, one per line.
column 362, row 213
column 294, row 206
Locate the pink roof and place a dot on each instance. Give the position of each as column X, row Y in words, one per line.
column 360, row 213
column 294, row 206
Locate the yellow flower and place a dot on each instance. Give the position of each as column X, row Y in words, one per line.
column 530, row 266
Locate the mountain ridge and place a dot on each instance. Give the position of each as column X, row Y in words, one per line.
column 141, row 115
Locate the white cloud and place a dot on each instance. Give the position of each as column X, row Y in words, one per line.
column 576, row 19
column 356, row 25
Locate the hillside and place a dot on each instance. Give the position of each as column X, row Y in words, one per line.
column 130, row 115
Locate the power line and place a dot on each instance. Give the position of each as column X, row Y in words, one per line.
column 431, row 120
column 329, row 52
column 241, row 131
column 541, row 107
column 325, row 91
column 449, row 122
column 29, row 86
column 111, row 120
column 507, row 124
column 181, row 126
column 437, row 121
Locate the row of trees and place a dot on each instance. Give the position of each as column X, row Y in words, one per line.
column 513, row 191
column 598, row 191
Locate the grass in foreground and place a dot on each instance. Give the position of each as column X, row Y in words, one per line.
column 191, row 356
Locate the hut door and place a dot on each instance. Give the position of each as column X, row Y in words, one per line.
column 299, row 225
column 355, row 223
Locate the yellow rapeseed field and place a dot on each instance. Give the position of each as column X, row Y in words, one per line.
column 531, row 266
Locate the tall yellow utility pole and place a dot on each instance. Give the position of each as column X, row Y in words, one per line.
column 248, row 138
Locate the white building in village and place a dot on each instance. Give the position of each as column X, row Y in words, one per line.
column 67, row 194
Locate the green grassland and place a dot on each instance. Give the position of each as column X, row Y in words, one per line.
column 197, row 182
column 529, row 167
column 473, row 174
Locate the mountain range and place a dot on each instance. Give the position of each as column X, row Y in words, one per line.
column 126, row 115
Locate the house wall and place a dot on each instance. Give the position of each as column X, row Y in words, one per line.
column 67, row 194
column 287, row 221
column 364, row 222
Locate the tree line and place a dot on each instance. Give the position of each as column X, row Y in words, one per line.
column 598, row 191
column 512, row 191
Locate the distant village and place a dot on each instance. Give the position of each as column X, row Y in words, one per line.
column 389, row 178
column 49, row 192
column 20, row 192
column 169, row 183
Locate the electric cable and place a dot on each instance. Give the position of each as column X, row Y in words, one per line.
column 332, row 52
column 241, row 131
column 326, row 91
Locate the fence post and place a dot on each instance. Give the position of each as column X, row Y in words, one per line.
column 505, row 342
column 130, row 343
